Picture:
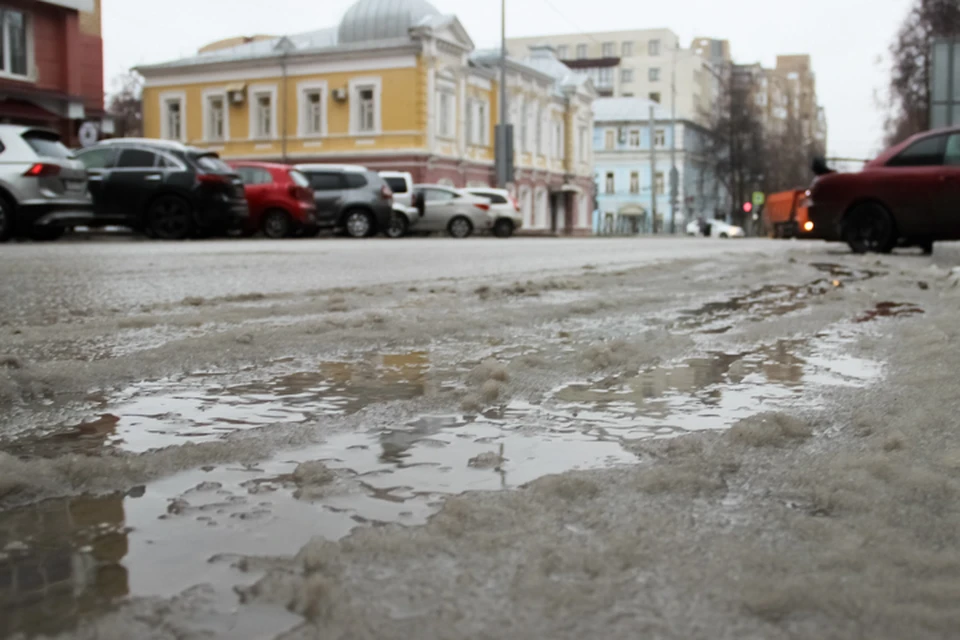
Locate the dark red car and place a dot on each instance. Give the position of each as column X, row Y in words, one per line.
column 280, row 199
column 908, row 196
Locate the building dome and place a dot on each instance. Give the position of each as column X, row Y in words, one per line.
column 382, row 19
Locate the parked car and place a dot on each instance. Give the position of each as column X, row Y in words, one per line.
column 447, row 209
column 909, row 195
column 405, row 213
column 279, row 197
column 715, row 229
column 504, row 209
column 165, row 189
column 350, row 197
column 43, row 188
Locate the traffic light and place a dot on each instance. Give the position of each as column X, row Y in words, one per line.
column 747, row 207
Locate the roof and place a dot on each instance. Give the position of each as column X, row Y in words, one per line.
column 370, row 20
column 306, row 41
column 542, row 60
column 627, row 110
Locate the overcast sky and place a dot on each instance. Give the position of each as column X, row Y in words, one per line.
column 848, row 39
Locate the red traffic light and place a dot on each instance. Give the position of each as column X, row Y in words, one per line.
column 747, row 207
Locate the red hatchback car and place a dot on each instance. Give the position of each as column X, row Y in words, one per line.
column 280, row 199
column 908, row 196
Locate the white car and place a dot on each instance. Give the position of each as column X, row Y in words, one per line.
column 716, row 229
column 452, row 210
column 504, row 209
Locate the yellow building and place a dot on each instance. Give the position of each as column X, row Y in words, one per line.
column 398, row 86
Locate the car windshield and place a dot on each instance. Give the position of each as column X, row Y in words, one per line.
column 212, row 163
column 47, row 145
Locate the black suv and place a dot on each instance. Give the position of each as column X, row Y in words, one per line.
column 350, row 197
column 164, row 189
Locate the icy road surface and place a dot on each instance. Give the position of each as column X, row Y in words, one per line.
column 658, row 438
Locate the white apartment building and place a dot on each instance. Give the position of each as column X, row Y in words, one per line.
column 637, row 63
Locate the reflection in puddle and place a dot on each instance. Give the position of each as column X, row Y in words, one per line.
column 709, row 392
column 159, row 414
column 890, row 310
column 60, row 560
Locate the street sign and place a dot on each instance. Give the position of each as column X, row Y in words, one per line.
column 758, row 198
column 945, row 83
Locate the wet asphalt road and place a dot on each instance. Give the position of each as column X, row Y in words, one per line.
column 125, row 275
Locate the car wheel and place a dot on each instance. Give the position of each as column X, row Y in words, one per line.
column 927, row 247
column 503, row 228
column 46, row 234
column 724, row 235
column 6, row 220
column 869, row 227
column 170, row 218
column 277, row 225
column 460, row 227
column 359, row 224
column 398, row 226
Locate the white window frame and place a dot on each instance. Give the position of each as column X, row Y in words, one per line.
column 482, row 122
column 635, row 182
column 653, row 47
column 626, row 50
column 609, row 140
column 30, row 74
column 610, row 183
column 563, row 51
column 659, row 183
column 584, row 154
column 207, row 113
column 446, row 108
column 582, row 52
column 166, row 98
column 660, row 138
column 634, row 138
column 558, row 139
column 357, row 85
column 255, row 93
column 539, row 137
column 303, row 108
column 626, row 76
column 653, row 74
column 608, row 49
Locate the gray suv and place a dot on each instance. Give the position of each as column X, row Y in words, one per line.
column 350, row 197
column 43, row 188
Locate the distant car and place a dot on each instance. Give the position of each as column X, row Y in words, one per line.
column 350, row 197
column 909, row 195
column 280, row 199
column 447, row 209
column 504, row 209
column 43, row 188
column 715, row 229
column 405, row 213
column 165, row 189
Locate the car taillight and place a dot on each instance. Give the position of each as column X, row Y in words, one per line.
column 482, row 206
column 386, row 192
column 213, row 179
column 515, row 203
column 41, row 170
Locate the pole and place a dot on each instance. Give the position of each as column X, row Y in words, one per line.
column 674, row 174
column 283, row 141
column 653, row 169
column 504, row 103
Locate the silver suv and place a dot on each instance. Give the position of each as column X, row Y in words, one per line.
column 43, row 188
column 350, row 197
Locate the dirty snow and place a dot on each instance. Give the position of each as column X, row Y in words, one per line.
column 756, row 441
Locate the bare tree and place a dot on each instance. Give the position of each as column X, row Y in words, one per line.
column 909, row 91
column 125, row 105
column 735, row 145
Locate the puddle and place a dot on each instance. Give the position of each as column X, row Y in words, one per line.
column 71, row 558
column 712, row 391
column 771, row 300
column 158, row 414
column 890, row 310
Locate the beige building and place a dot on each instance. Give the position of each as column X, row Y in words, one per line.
column 788, row 93
column 636, row 63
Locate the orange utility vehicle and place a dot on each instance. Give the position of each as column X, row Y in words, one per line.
column 785, row 215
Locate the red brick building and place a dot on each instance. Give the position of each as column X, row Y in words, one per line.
column 51, row 64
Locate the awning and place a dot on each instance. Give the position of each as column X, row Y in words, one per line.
column 568, row 188
column 20, row 111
